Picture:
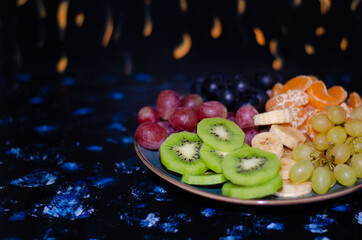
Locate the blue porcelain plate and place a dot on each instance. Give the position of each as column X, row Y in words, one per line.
column 151, row 160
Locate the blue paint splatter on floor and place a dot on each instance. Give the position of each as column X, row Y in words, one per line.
column 95, row 148
column 45, row 128
column 159, row 189
column 341, row 208
column 36, row 100
column 127, row 166
column 358, row 217
column 322, row 238
column 126, row 140
column 117, row 126
column 82, row 111
column 70, row 166
column 101, row 182
column 68, row 203
column 275, row 226
column 14, row 151
column 17, row 216
column 142, row 77
column 319, row 223
column 116, row 95
column 150, row 221
column 111, row 140
column 37, row 178
column 208, row 212
column 236, row 233
column 69, row 81
column 173, row 222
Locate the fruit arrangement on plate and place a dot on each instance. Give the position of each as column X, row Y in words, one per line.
column 257, row 138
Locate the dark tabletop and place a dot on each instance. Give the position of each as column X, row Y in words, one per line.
column 68, row 167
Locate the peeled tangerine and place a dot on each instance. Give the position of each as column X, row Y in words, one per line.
column 320, row 97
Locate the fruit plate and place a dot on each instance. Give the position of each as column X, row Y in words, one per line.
column 151, row 159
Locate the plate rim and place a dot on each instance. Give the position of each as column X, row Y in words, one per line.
column 254, row 202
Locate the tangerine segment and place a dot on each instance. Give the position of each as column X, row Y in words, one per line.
column 276, row 89
column 354, row 100
column 292, row 98
column 298, row 115
column 314, row 78
column 300, row 82
column 338, row 93
column 348, row 109
column 319, row 97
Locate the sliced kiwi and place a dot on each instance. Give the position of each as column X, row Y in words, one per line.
column 220, row 134
column 180, row 153
column 208, row 178
column 250, row 166
column 256, row 191
column 213, row 158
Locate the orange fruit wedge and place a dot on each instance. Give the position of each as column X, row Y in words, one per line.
column 298, row 115
column 276, row 89
column 300, row 82
column 319, row 97
column 338, row 93
column 354, row 100
column 292, row 98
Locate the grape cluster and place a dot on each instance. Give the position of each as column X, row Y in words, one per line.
column 335, row 155
column 236, row 91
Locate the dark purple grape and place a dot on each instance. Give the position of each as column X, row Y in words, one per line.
column 210, row 87
column 265, row 80
column 242, row 84
column 261, row 95
column 196, row 85
column 248, row 99
column 227, row 96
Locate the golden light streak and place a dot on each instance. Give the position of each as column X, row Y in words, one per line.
column 20, row 3
column 62, row 14
column 344, row 44
column 354, row 5
column 108, row 31
column 277, row 64
column 184, row 47
column 79, row 19
column 183, row 5
column 147, row 30
column 241, row 6
column 319, row 31
column 273, row 47
column 216, row 29
column 309, row 49
column 325, row 5
column 297, row 3
column 259, row 36
column 62, row 64
column 41, row 9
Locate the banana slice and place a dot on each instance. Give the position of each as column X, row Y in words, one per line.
column 291, row 189
column 287, row 163
column 287, row 153
column 290, row 136
column 268, row 141
column 283, row 115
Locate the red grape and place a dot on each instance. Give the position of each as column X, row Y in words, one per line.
column 250, row 132
column 193, row 101
column 211, row 109
column 147, row 114
column 150, row 135
column 166, row 125
column 183, row 119
column 167, row 101
column 244, row 116
column 231, row 116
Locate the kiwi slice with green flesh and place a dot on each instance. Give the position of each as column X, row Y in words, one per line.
column 249, row 192
column 213, row 158
column 250, row 166
column 208, row 178
column 180, row 153
column 220, row 134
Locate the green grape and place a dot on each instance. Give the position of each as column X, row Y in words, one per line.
column 336, row 135
column 355, row 143
column 333, row 179
column 357, row 113
column 321, row 123
column 340, row 153
column 321, row 180
column 320, row 141
column 345, row 175
column 353, row 127
column 356, row 164
column 336, row 114
column 301, row 171
column 302, row 152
